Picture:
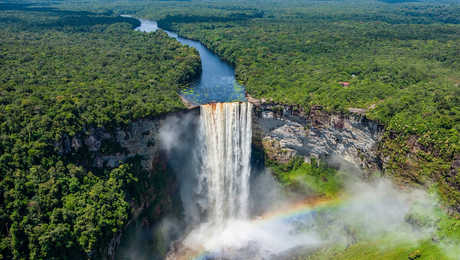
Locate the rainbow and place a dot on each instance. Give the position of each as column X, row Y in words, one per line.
column 297, row 210
column 301, row 208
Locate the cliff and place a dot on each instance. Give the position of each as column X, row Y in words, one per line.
column 101, row 149
column 285, row 132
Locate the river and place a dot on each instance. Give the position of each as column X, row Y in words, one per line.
column 216, row 187
column 217, row 82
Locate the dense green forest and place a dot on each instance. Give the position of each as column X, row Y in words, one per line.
column 62, row 72
column 401, row 60
column 401, row 63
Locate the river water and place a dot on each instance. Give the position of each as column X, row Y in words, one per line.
column 216, row 189
column 217, row 81
column 226, row 134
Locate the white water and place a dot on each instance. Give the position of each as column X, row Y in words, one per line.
column 226, row 130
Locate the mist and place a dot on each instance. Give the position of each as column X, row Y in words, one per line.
column 282, row 227
column 282, row 224
column 180, row 139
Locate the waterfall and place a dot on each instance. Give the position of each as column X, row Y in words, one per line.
column 226, row 132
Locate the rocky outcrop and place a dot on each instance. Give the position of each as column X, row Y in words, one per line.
column 107, row 148
column 285, row 132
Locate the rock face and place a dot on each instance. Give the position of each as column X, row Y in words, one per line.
column 285, row 132
column 109, row 148
column 102, row 148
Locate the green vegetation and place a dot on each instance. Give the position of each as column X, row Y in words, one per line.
column 62, row 73
column 440, row 239
column 432, row 234
column 400, row 58
column 443, row 245
column 311, row 178
column 382, row 250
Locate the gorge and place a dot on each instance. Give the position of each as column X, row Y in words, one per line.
column 304, row 130
column 207, row 194
column 224, row 138
column 215, row 184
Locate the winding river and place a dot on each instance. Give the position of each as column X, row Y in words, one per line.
column 217, row 81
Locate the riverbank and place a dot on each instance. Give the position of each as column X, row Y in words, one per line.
column 216, row 82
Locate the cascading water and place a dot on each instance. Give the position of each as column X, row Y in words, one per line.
column 226, row 131
column 214, row 183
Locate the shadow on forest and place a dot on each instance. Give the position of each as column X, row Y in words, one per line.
column 65, row 17
column 39, row 7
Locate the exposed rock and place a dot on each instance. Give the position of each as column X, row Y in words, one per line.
column 64, row 145
column 455, row 169
column 76, row 143
column 92, row 143
column 140, row 138
column 103, row 148
column 254, row 101
column 277, row 151
column 136, row 140
column 113, row 244
column 358, row 111
column 187, row 103
column 286, row 131
column 98, row 162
